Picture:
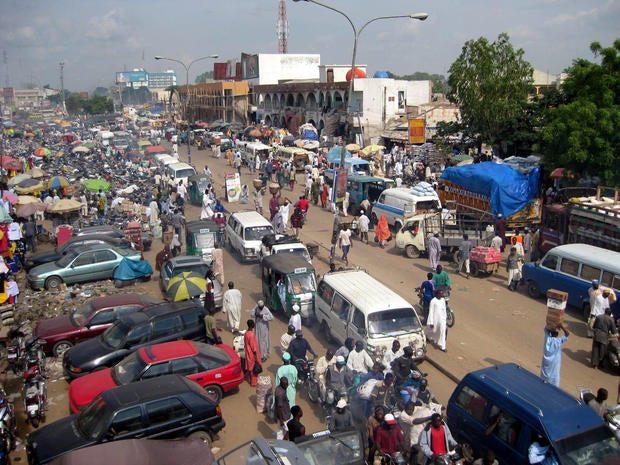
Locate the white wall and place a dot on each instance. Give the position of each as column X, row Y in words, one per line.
column 283, row 67
column 340, row 71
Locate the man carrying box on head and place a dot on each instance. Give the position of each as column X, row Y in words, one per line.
column 552, row 354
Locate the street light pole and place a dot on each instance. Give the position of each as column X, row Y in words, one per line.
column 186, row 105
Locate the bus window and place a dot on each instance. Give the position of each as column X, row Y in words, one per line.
column 550, row 261
column 589, row 272
column 570, row 267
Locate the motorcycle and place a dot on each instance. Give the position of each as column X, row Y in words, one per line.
column 8, row 428
column 34, row 391
column 453, row 457
column 612, row 419
column 450, row 319
column 306, row 376
column 15, row 349
column 396, row 458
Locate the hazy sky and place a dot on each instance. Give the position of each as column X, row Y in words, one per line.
column 97, row 38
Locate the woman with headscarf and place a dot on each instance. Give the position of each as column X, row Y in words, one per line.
column 382, row 231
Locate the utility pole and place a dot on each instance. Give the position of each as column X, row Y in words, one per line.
column 62, row 87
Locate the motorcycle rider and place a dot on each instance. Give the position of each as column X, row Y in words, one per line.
column 402, row 368
column 339, row 377
column 436, row 438
column 391, row 355
column 299, row 346
column 389, row 437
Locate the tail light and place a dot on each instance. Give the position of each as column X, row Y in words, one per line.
column 218, row 411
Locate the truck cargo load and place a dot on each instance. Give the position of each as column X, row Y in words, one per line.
column 493, row 188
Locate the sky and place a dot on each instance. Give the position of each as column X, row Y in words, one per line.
column 95, row 39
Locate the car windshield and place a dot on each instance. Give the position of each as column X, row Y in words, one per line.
column 91, row 422
column 185, row 173
column 392, row 322
column 205, row 240
column 592, row 447
column 65, row 260
column 248, row 453
column 83, row 314
column 256, row 233
column 301, row 283
column 115, row 336
column 129, row 369
column 334, row 450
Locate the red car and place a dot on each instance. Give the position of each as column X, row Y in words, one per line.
column 93, row 318
column 216, row 368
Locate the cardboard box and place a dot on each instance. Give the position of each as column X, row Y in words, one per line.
column 555, row 319
column 556, row 304
column 557, row 295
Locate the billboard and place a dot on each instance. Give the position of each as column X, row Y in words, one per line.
column 417, row 131
column 249, row 66
column 131, row 76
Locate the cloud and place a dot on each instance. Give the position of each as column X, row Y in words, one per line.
column 565, row 18
column 21, row 36
column 107, row 27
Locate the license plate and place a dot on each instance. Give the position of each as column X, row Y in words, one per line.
column 12, row 356
column 32, row 409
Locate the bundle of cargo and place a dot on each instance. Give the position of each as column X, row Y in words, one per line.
column 556, row 306
column 484, row 260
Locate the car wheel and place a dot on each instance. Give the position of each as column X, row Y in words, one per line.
column 61, row 347
column 53, row 283
column 412, row 251
column 204, row 436
column 532, row 290
column 214, row 392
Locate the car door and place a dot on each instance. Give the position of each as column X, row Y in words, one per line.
column 357, row 326
column 167, row 329
column 81, row 269
column 106, row 262
column 188, row 367
column 97, row 324
column 167, row 418
column 126, row 423
column 156, row 369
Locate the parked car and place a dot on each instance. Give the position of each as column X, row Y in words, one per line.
column 74, row 244
column 165, row 322
column 165, row 407
column 89, row 263
column 216, row 368
column 90, row 320
column 104, row 230
column 177, row 265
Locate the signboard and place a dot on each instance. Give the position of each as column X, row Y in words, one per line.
column 131, row 76
column 249, row 66
column 233, row 187
column 339, row 188
column 417, row 131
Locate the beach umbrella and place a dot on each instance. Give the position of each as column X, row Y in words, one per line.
column 57, row 182
column 28, row 209
column 80, row 149
column 24, row 199
column 11, row 164
column 185, row 286
column 15, row 180
column 8, row 196
column 93, row 185
column 372, row 149
column 37, row 173
column 27, row 186
column 64, row 206
column 42, row 152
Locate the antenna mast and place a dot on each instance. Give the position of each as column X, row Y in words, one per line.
column 282, row 28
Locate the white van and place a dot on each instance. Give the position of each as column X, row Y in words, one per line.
column 252, row 149
column 353, row 304
column 400, row 202
column 178, row 172
column 245, row 231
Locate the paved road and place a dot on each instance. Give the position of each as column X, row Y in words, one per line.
column 493, row 325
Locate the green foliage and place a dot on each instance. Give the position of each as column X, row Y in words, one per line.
column 102, row 91
column 582, row 133
column 95, row 105
column 490, row 82
column 204, row 77
column 440, row 85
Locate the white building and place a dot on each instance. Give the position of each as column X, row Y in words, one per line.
column 273, row 68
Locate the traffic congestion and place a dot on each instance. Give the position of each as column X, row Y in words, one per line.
column 272, row 284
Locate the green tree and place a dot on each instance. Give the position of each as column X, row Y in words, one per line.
column 204, row 77
column 490, row 82
column 440, row 85
column 582, row 132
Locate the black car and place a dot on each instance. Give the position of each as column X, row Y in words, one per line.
column 73, row 244
column 164, row 322
column 165, row 407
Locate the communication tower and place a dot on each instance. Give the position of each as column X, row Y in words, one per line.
column 282, row 28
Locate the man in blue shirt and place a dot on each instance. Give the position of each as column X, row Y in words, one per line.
column 427, row 288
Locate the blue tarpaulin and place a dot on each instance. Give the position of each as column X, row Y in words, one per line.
column 507, row 189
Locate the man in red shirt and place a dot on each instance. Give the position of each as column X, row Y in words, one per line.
column 389, row 437
column 436, row 439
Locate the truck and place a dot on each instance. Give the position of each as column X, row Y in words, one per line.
column 283, row 243
column 490, row 188
column 412, row 238
column 593, row 218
